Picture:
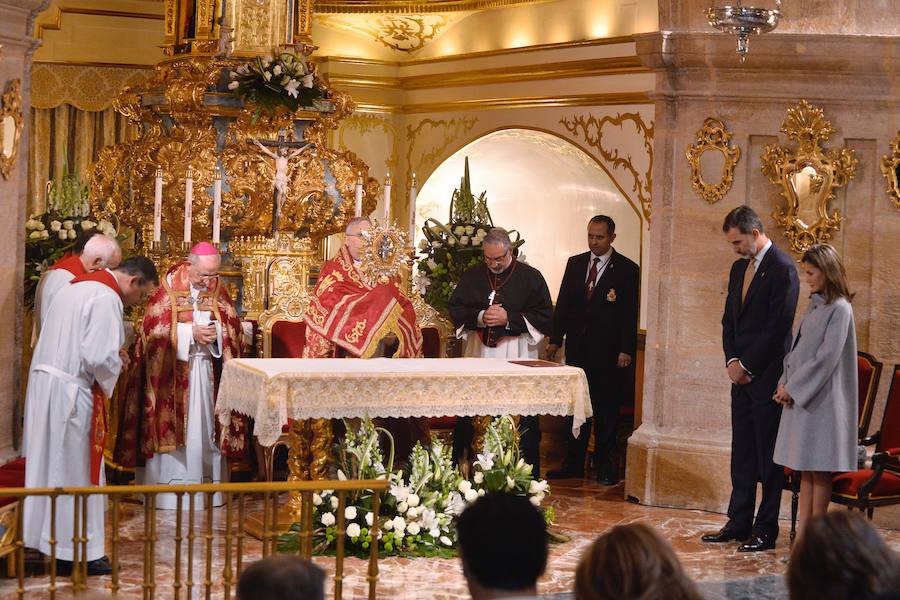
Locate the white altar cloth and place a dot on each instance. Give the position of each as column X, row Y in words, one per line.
column 273, row 390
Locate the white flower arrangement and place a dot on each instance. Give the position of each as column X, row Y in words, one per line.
column 284, row 80
column 420, row 507
column 49, row 236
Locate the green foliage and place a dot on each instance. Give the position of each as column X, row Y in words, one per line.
column 282, row 81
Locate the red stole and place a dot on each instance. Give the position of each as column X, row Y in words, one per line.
column 72, row 264
column 98, row 418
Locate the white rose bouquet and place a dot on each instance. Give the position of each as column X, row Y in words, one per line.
column 49, row 236
column 284, row 80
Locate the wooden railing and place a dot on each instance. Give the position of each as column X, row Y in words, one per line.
column 188, row 533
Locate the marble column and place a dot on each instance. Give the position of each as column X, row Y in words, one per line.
column 840, row 58
column 16, row 48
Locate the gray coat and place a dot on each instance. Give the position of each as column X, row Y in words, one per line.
column 818, row 433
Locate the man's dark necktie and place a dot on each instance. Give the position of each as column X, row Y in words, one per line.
column 592, row 278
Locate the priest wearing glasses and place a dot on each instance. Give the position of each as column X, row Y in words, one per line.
column 502, row 309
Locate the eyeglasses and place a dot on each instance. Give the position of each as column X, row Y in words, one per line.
column 206, row 276
column 496, row 259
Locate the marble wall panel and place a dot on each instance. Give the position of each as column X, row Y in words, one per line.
column 686, row 420
column 16, row 48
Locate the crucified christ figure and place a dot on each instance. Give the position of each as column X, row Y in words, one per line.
column 280, row 181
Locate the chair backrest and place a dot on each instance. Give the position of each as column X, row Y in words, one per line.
column 286, row 340
column 890, row 425
column 436, row 329
column 869, row 374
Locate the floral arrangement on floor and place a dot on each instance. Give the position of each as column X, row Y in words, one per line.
column 418, row 513
column 49, row 235
column 448, row 250
column 284, row 79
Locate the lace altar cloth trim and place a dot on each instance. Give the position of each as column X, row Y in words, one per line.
column 273, row 390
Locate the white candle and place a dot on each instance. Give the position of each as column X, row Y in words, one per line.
column 413, row 191
column 217, row 207
column 359, row 194
column 188, row 203
column 157, row 205
column 387, row 199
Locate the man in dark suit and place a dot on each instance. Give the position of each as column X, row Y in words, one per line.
column 597, row 314
column 756, row 334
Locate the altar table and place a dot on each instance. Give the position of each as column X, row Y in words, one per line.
column 273, row 390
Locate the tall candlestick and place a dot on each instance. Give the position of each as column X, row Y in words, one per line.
column 188, row 203
column 387, row 199
column 413, row 191
column 359, row 194
column 157, row 204
column 217, row 206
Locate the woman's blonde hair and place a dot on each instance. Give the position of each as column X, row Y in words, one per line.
column 632, row 562
column 825, row 258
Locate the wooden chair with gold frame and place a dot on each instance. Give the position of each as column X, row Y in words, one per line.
column 282, row 333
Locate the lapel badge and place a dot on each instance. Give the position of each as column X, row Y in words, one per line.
column 611, row 296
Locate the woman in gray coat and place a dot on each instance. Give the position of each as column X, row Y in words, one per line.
column 817, row 434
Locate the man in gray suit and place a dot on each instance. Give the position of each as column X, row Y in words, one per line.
column 756, row 334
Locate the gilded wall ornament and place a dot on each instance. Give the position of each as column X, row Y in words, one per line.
column 890, row 166
column 403, row 33
column 592, row 130
column 10, row 127
column 449, row 130
column 808, row 176
column 713, row 142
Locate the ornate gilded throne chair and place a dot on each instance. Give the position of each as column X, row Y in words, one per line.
column 282, row 327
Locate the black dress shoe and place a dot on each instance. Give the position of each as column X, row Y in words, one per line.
column 565, row 473
column 607, row 478
column 757, row 543
column 723, row 535
column 100, row 566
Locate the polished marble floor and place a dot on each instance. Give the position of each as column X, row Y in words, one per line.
column 584, row 509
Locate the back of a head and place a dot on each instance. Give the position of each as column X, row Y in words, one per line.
column 840, row 556
column 140, row 266
column 102, row 247
column 631, row 562
column 503, row 542
column 83, row 238
column 281, row 577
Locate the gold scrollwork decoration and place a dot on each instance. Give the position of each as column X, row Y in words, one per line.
column 10, row 127
column 713, row 138
column 808, row 177
column 592, row 130
column 890, row 166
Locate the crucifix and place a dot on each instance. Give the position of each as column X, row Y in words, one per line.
column 281, row 155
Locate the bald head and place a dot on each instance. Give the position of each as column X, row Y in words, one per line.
column 101, row 252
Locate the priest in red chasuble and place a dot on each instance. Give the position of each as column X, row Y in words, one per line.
column 348, row 318
column 169, row 430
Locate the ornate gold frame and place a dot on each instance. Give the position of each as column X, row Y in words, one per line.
column 714, row 135
column 385, row 253
column 807, row 220
column 11, row 107
column 890, row 166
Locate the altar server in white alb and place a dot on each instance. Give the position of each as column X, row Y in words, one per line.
column 503, row 310
column 818, row 388
column 75, row 367
column 92, row 251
